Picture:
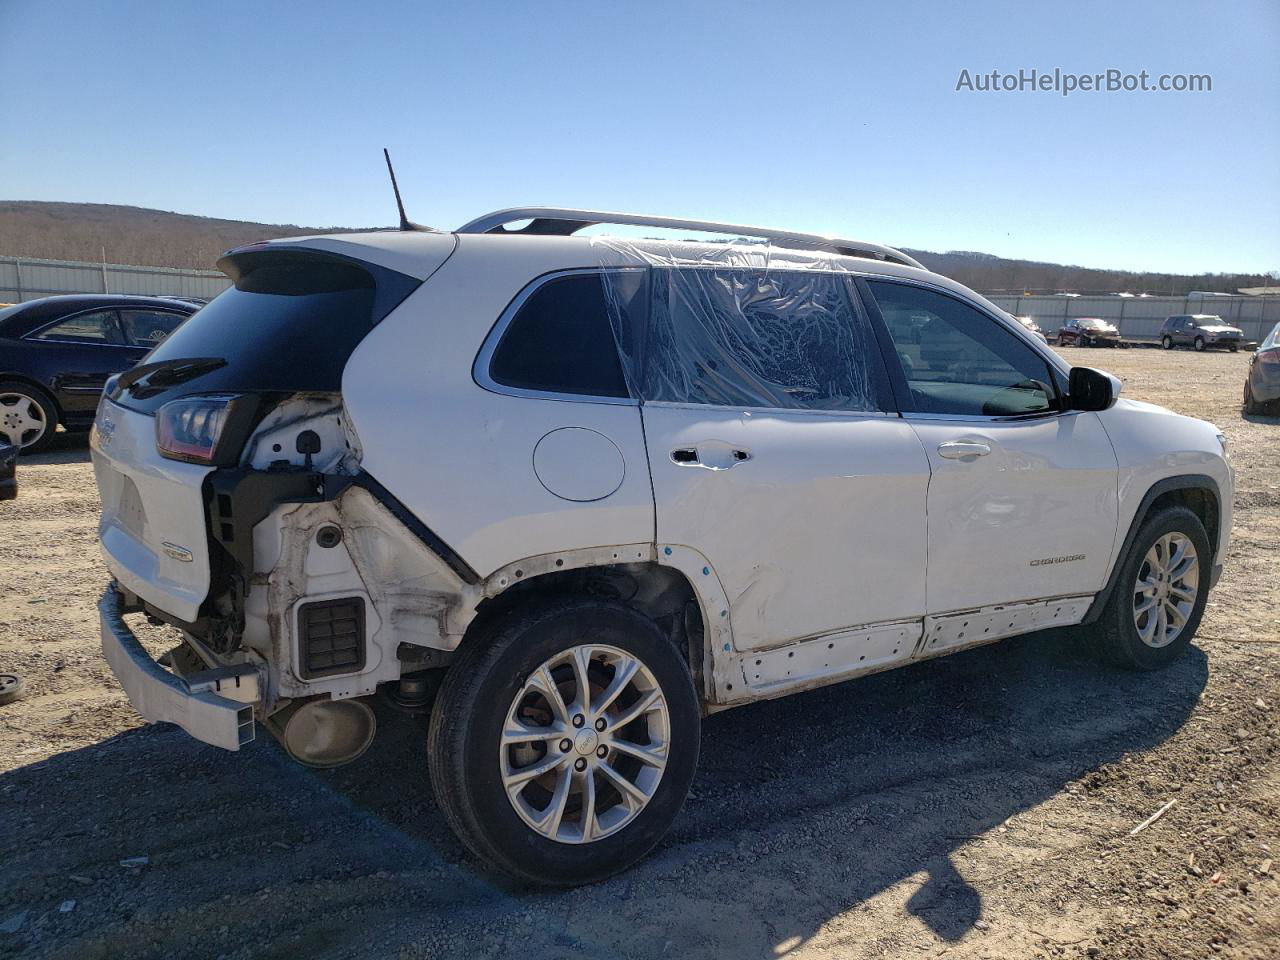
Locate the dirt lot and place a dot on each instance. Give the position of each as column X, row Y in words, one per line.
column 978, row 806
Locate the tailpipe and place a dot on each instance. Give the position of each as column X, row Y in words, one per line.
column 319, row 732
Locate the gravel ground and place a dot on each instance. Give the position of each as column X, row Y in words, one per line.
column 976, row 806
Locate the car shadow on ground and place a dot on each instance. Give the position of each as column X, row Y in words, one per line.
column 803, row 809
column 1270, row 419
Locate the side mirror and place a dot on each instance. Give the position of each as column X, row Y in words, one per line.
column 1090, row 389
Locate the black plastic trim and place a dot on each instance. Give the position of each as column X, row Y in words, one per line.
column 353, row 642
column 1191, row 481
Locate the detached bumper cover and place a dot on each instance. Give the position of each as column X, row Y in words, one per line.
column 192, row 703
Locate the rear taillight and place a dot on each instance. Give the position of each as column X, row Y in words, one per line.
column 190, row 429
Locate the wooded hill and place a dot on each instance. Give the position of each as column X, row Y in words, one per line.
column 135, row 235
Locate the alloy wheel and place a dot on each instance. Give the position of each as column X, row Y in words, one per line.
column 1165, row 592
column 585, row 743
column 22, row 420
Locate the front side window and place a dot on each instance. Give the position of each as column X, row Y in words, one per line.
column 146, row 328
column 964, row 362
column 561, row 340
column 99, row 326
column 760, row 338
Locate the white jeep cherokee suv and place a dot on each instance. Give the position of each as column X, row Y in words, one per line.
column 568, row 493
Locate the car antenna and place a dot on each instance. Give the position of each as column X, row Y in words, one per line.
column 405, row 222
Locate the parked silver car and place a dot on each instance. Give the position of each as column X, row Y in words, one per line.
column 1200, row 331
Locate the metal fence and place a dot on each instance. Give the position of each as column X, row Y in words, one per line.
column 1139, row 318
column 22, row 278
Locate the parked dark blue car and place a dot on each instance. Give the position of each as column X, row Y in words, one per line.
column 57, row 353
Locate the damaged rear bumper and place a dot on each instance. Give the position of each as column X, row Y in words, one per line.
column 215, row 706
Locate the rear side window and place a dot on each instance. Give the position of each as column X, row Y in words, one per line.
column 761, row 338
column 561, row 341
column 146, row 328
column 96, row 327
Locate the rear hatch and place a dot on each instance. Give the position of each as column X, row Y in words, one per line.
column 288, row 325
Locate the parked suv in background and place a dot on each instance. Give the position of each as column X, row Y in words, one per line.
column 56, row 354
column 1200, row 331
column 570, row 493
column 1088, row 332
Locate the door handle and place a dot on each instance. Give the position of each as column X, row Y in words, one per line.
column 712, row 458
column 963, row 449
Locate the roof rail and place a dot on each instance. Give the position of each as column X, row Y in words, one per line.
column 561, row 222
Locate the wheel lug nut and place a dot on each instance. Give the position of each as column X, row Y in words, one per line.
column 566, row 746
column 579, row 720
column 580, row 764
column 602, row 752
column 600, row 724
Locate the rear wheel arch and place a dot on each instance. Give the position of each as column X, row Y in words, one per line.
column 626, row 574
column 1197, row 492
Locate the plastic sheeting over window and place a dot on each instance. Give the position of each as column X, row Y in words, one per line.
column 734, row 329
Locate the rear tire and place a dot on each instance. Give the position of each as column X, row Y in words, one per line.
column 28, row 416
column 1130, row 638
column 1233, row 347
column 495, row 687
column 1167, row 342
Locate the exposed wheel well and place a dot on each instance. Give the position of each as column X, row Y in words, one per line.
column 1198, row 493
column 1199, row 500
column 661, row 593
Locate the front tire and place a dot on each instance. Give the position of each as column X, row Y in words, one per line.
column 564, row 740
column 1199, row 344
column 28, row 417
column 1160, row 593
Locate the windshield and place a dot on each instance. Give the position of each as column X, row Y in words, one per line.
column 1209, row 322
column 1094, row 324
column 1273, row 338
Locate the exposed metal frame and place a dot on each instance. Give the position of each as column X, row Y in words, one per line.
column 563, row 222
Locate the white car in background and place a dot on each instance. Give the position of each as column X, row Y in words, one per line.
column 1030, row 325
column 569, row 494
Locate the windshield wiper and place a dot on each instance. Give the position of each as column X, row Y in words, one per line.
column 150, row 378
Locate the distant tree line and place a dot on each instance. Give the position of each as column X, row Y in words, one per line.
column 134, row 235
column 981, row 271
column 131, row 235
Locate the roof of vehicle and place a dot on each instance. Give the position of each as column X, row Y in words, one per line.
column 395, row 249
column 548, row 235
column 546, row 242
column 22, row 318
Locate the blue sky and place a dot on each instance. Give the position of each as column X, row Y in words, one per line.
column 823, row 116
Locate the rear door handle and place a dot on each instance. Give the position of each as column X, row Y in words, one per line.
column 963, row 449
